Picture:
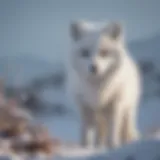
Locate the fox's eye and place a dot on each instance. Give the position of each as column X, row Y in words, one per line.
column 85, row 53
column 104, row 52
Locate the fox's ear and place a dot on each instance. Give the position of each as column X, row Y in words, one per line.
column 77, row 29
column 114, row 30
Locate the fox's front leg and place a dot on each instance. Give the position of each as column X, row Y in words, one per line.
column 87, row 129
column 101, row 129
column 130, row 131
column 115, row 125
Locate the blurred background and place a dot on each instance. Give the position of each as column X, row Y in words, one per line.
column 34, row 41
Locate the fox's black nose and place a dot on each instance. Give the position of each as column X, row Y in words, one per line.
column 93, row 68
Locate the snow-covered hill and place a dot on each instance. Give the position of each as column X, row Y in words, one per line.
column 140, row 150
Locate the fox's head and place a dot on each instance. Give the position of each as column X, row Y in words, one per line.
column 95, row 50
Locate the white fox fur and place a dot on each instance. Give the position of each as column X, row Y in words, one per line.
column 104, row 82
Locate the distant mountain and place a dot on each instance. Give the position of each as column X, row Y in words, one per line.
column 146, row 48
column 147, row 53
column 22, row 69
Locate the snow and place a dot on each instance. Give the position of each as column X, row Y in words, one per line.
column 142, row 150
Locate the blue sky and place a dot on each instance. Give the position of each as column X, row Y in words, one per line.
column 40, row 27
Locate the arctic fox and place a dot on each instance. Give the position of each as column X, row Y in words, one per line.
column 104, row 82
